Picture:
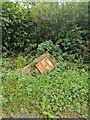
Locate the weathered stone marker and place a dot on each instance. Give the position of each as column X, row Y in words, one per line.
column 40, row 65
column 44, row 65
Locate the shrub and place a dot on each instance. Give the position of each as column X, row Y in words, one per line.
column 48, row 46
column 23, row 29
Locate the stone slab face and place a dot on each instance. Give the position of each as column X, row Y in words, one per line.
column 40, row 65
column 44, row 65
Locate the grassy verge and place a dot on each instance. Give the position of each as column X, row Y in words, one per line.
column 62, row 92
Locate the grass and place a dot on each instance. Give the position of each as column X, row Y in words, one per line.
column 59, row 93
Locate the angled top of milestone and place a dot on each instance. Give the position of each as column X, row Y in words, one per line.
column 41, row 64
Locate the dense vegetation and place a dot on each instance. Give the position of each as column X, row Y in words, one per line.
column 65, row 25
column 28, row 31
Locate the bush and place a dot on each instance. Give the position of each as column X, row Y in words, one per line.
column 48, row 46
column 25, row 28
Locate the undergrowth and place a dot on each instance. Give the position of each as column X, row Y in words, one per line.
column 61, row 92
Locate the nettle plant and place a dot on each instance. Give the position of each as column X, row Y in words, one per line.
column 48, row 46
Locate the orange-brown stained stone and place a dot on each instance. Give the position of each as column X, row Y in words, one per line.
column 44, row 65
column 40, row 64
